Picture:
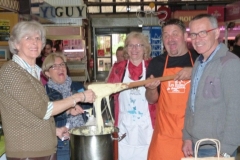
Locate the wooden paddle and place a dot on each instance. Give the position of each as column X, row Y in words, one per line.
column 144, row 82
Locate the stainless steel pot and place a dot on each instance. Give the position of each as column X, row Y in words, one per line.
column 87, row 144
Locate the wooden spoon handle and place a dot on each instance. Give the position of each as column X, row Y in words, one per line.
column 144, row 82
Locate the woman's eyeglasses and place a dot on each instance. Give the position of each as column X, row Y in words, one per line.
column 137, row 46
column 58, row 66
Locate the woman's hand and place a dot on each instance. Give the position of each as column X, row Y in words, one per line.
column 86, row 96
column 89, row 96
column 76, row 110
column 62, row 132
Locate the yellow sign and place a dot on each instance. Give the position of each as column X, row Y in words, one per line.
column 151, row 5
column 4, row 29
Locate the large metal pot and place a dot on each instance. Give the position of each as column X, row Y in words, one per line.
column 87, row 144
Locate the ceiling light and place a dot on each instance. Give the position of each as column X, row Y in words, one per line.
column 73, row 50
column 128, row 8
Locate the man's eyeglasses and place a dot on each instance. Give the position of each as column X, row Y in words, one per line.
column 201, row 34
column 58, row 66
column 137, row 46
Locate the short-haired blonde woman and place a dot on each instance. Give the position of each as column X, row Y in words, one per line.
column 27, row 113
column 60, row 86
column 133, row 115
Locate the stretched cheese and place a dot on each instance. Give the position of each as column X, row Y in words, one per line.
column 104, row 90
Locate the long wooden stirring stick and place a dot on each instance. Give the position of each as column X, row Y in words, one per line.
column 144, row 82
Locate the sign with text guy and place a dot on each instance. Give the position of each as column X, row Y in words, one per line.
column 49, row 12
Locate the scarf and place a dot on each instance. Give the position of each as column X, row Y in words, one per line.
column 135, row 71
column 65, row 90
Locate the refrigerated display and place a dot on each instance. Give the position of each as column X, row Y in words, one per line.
column 103, row 56
column 105, row 53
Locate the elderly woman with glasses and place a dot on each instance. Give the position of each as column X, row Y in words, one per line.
column 133, row 114
column 60, row 86
column 27, row 113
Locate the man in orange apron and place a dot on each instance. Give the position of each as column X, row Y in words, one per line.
column 171, row 96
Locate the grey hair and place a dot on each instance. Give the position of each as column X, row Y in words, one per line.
column 210, row 17
column 143, row 38
column 22, row 29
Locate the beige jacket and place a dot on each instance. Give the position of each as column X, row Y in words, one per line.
column 23, row 104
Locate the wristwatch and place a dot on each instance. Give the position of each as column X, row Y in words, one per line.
column 225, row 155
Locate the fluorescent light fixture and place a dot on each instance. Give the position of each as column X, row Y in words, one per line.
column 73, row 50
column 140, row 25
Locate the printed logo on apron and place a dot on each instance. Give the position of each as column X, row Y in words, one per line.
column 135, row 91
column 177, row 86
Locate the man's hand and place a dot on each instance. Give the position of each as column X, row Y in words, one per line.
column 187, row 148
column 152, row 91
column 184, row 74
column 152, row 85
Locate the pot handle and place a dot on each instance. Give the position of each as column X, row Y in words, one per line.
column 119, row 138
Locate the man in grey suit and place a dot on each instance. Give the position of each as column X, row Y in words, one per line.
column 213, row 109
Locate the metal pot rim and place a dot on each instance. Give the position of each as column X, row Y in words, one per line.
column 92, row 130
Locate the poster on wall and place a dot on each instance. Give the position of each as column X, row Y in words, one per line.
column 147, row 32
column 4, row 30
column 156, row 41
column 3, row 54
column 154, row 35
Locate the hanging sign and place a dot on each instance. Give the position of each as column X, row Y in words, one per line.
column 63, row 11
column 186, row 16
column 217, row 11
column 162, row 13
column 233, row 11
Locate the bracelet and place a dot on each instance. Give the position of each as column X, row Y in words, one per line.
column 74, row 102
column 83, row 96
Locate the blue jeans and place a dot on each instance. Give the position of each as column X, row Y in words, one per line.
column 63, row 150
column 211, row 152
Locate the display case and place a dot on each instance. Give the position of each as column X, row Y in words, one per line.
column 75, row 52
column 103, row 56
column 105, row 53
column 74, row 49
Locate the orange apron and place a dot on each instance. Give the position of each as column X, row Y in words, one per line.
column 166, row 141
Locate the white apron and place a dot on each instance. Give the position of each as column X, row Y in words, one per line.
column 135, row 121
